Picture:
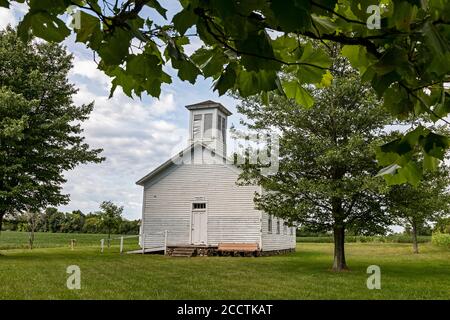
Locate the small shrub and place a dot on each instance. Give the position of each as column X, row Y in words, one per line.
column 441, row 239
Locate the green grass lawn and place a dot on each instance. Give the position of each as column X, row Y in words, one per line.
column 41, row 274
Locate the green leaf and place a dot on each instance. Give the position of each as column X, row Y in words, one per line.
column 295, row 91
column 323, row 24
column 24, row 28
column 430, row 163
column 404, row 13
column 291, row 15
column 115, row 46
column 358, row 57
column 144, row 65
column 49, row 6
column 258, row 52
column 226, row 80
column 4, row 3
column 211, row 62
column 251, row 82
column 442, row 108
column 435, row 145
column 48, row 27
column 416, row 136
column 327, row 79
column 157, row 6
column 184, row 19
column 315, row 63
column 433, row 38
column 398, row 146
column 89, row 27
column 186, row 69
column 201, row 57
column 409, row 173
column 317, row 57
column 382, row 82
column 440, row 65
column 245, row 84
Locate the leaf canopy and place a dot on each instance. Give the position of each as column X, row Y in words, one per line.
column 248, row 43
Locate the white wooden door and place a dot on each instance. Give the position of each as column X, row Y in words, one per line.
column 199, row 227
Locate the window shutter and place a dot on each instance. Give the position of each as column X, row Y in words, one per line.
column 224, row 129
column 207, row 133
column 196, row 126
column 219, row 126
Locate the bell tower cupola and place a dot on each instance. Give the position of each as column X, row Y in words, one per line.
column 208, row 125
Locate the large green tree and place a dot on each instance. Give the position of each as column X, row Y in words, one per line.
column 326, row 177
column 40, row 132
column 401, row 47
column 428, row 201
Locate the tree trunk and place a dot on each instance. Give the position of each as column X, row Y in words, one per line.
column 1, row 220
column 339, row 263
column 31, row 239
column 414, row 237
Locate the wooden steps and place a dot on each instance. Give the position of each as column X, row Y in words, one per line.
column 242, row 247
column 185, row 252
column 238, row 249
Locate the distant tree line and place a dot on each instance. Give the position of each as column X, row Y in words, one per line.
column 425, row 229
column 52, row 220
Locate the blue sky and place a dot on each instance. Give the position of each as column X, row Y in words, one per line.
column 136, row 135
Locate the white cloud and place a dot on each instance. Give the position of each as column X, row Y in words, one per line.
column 6, row 18
column 88, row 69
column 12, row 15
column 194, row 44
column 135, row 140
column 165, row 104
column 136, row 135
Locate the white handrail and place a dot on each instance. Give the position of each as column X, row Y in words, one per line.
column 165, row 241
column 142, row 236
column 163, row 245
column 138, row 235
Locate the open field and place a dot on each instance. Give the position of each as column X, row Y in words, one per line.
column 41, row 274
column 18, row 240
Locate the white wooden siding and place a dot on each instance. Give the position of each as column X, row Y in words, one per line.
column 274, row 241
column 231, row 214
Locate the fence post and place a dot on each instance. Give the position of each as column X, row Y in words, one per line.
column 165, row 242
column 102, row 243
column 121, row 244
column 143, row 243
column 72, row 244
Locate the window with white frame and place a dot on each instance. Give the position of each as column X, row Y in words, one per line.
column 278, row 226
column 199, row 206
column 285, row 228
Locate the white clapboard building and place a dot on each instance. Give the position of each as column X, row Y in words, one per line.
column 192, row 204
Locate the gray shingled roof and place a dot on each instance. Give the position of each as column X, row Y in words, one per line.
column 208, row 104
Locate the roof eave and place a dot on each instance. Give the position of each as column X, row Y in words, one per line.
column 166, row 164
